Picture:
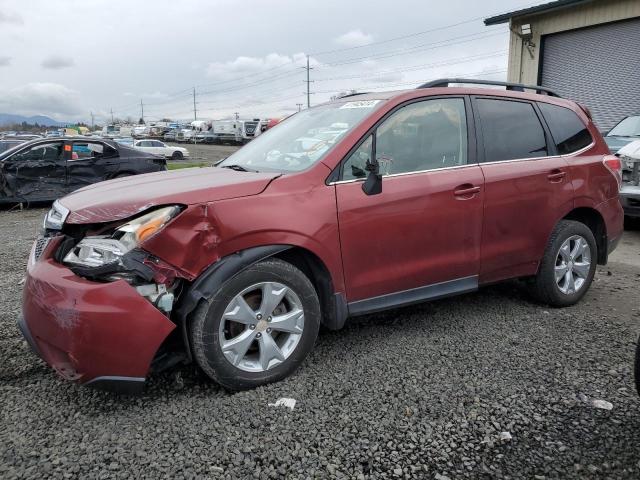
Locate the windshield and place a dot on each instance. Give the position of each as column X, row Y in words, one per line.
column 302, row 139
column 629, row 127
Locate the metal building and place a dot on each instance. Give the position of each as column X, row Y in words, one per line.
column 586, row 50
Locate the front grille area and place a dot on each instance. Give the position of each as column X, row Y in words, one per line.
column 250, row 127
column 41, row 244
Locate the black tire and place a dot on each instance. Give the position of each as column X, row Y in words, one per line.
column 177, row 155
column 205, row 323
column 544, row 287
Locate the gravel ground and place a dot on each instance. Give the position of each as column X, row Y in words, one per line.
column 422, row 392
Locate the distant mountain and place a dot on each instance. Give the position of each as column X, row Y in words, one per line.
column 8, row 118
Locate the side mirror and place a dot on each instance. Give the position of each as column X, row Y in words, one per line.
column 373, row 184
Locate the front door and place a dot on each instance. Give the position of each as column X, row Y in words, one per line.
column 419, row 238
column 35, row 173
column 527, row 186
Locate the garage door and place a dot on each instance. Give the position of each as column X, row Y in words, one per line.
column 597, row 66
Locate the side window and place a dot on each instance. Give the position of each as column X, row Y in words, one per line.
column 567, row 130
column 423, row 136
column 48, row 152
column 510, row 130
column 355, row 166
column 84, row 150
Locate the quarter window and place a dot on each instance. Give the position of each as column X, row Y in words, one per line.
column 511, row 130
column 355, row 166
column 567, row 130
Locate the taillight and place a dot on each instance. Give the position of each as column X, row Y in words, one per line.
column 614, row 164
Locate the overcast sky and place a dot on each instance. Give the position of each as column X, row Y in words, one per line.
column 68, row 58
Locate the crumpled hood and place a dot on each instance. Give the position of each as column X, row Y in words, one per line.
column 124, row 197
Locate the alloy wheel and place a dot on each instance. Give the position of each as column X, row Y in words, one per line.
column 573, row 264
column 261, row 326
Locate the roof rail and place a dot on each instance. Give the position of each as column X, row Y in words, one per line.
column 519, row 87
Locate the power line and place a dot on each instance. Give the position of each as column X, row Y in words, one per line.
column 414, row 83
column 410, row 68
column 267, row 76
column 423, row 32
column 426, row 46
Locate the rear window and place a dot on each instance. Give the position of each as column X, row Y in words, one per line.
column 511, row 130
column 568, row 131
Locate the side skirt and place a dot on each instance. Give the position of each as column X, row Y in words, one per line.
column 415, row 295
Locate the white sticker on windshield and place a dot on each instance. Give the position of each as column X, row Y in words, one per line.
column 360, row 104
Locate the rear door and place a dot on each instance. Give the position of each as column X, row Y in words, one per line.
column 527, row 186
column 89, row 162
column 420, row 237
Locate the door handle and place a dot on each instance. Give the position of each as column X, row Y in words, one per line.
column 556, row 175
column 466, row 191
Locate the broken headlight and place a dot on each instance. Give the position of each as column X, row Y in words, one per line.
column 97, row 251
column 54, row 219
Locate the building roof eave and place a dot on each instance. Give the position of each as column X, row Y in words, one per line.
column 543, row 8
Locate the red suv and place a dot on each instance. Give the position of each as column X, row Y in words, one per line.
column 362, row 204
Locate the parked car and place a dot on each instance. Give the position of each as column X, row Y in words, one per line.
column 128, row 141
column 159, row 148
column 403, row 197
column 9, row 143
column 170, row 136
column 45, row 169
column 626, row 131
column 630, row 192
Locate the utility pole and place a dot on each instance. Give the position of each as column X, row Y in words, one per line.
column 141, row 110
column 308, row 84
column 92, row 124
column 299, row 105
column 112, row 116
column 195, row 112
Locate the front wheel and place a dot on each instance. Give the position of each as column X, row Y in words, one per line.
column 177, row 155
column 258, row 327
column 568, row 266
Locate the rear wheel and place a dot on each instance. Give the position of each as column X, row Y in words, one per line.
column 177, row 155
column 258, row 327
column 568, row 266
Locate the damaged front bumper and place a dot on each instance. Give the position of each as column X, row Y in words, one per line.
column 102, row 334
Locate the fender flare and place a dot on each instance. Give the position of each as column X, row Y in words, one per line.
column 214, row 276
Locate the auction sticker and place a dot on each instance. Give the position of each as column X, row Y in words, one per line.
column 360, row 104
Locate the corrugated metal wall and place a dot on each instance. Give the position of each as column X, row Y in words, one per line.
column 597, row 66
column 523, row 65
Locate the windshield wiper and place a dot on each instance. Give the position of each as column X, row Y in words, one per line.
column 238, row 168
